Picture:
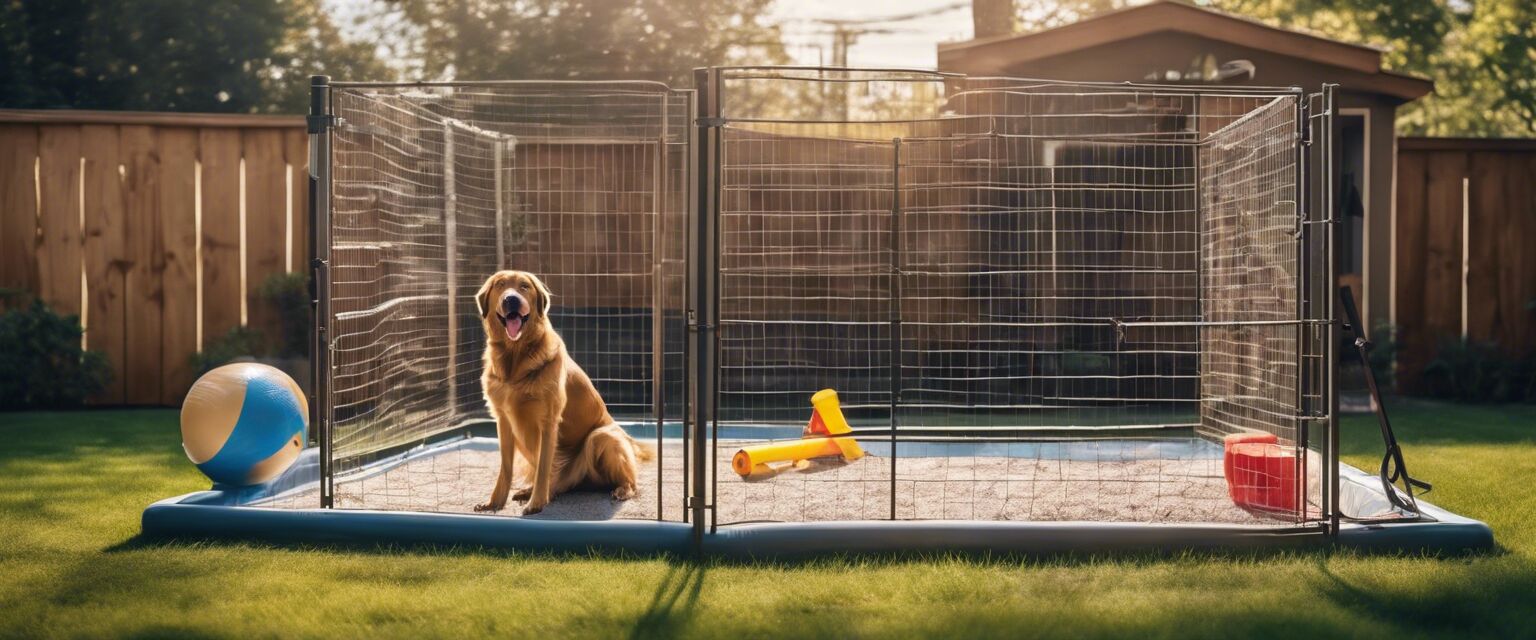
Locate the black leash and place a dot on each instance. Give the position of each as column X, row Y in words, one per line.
column 1393, row 470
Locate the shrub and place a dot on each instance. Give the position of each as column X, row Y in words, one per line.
column 238, row 342
column 1472, row 371
column 42, row 363
column 288, row 295
column 1383, row 356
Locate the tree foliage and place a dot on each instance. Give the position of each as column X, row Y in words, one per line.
column 172, row 55
column 659, row 40
column 1481, row 55
column 1038, row 15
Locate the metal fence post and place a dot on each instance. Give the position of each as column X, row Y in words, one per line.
column 319, row 127
column 895, row 293
column 1303, row 291
column 1331, row 347
column 703, row 311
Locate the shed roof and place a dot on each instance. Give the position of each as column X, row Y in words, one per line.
column 1000, row 52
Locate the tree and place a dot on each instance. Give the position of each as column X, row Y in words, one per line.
column 173, row 55
column 314, row 45
column 659, row 40
column 1481, row 55
column 1037, row 15
column 992, row 18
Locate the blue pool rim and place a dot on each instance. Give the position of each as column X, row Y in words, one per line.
column 222, row 513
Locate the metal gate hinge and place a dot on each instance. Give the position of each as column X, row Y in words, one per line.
column 711, row 122
column 318, row 124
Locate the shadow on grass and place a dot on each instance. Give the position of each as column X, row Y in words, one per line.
column 1433, row 422
column 1452, row 601
column 674, row 603
column 172, row 633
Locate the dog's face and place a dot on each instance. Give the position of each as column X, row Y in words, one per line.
column 514, row 305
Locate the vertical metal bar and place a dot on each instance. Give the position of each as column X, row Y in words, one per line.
column 895, row 319
column 1303, row 285
column 319, row 280
column 658, row 285
column 1310, row 202
column 702, row 312
column 1331, row 363
column 715, row 221
column 1200, row 149
column 690, row 354
column 451, row 270
column 499, row 192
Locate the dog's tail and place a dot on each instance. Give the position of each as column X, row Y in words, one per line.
column 643, row 451
column 582, row 462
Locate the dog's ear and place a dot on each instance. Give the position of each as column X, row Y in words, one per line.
column 483, row 297
column 544, row 296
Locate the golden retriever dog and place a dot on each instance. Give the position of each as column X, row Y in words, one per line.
column 547, row 411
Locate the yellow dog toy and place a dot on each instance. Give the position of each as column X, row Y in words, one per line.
column 819, row 440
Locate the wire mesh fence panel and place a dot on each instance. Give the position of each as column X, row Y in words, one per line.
column 1037, row 300
column 434, row 188
column 1046, row 264
column 1251, row 273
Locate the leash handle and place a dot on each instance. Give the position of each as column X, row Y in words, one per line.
column 1393, row 469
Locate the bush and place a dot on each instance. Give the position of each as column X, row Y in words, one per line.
column 1383, row 356
column 1471, row 371
column 288, row 295
column 42, row 363
column 238, row 342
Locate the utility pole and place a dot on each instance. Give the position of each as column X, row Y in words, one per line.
column 845, row 33
column 992, row 17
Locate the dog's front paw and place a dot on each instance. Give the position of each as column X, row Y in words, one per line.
column 624, row 492
column 533, row 507
column 489, row 506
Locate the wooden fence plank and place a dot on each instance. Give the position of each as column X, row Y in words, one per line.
column 266, row 222
column 178, row 240
column 1517, row 255
column 59, row 249
column 1442, row 255
column 18, row 208
column 1485, row 223
column 144, row 294
column 105, row 253
column 1526, row 297
column 219, row 152
column 296, row 153
column 1410, row 264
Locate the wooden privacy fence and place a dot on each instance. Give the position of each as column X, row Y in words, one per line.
column 157, row 228
column 1466, row 246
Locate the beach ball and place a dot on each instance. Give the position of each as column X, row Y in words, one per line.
column 244, row 423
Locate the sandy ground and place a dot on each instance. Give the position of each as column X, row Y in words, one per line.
column 965, row 488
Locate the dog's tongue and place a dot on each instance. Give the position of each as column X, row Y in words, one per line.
column 514, row 325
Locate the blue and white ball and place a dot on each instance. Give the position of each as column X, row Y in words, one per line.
column 244, row 424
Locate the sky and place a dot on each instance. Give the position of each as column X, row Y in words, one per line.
column 909, row 43
column 902, row 43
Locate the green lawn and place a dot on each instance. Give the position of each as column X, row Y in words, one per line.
column 72, row 486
